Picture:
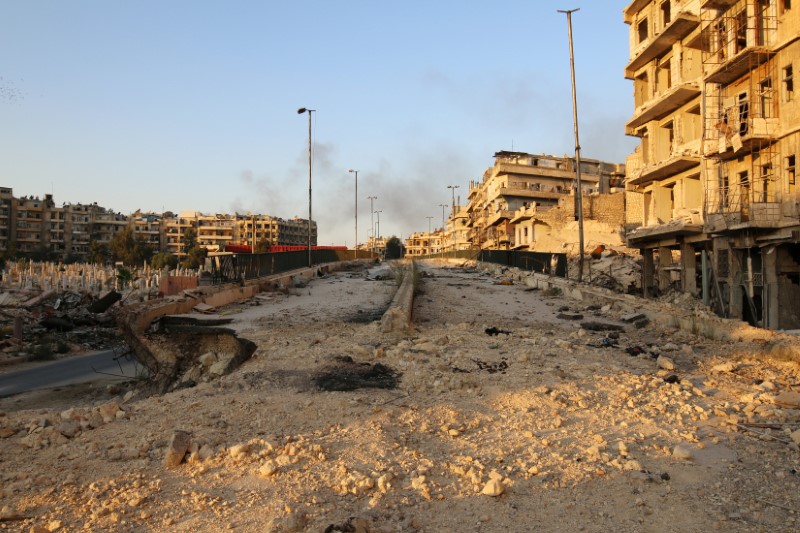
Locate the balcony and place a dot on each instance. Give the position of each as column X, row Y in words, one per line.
column 678, row 162
column 633, row 8
column 523, row 214
column 673, row 228
column 732, row 69
column 663, row 105
column 676, row 30
column 758, row 132
column 718, row 4
column 499, row 216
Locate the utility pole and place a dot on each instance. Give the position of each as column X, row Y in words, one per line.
column 355, row 246
column 430, row 240
column 579, row 191
column 443, row 206
column 300, row 112
column 372, row 221
column 453, row 194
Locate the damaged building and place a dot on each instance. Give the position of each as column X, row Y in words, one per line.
column 524, row 199
column 712, row 197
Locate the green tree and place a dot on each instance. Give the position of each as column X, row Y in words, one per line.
column 124, row 276
column 128, row 249
column 98, row 253
column 41, row 253
column 195, row 254
column 162, row 260
column 394, row 248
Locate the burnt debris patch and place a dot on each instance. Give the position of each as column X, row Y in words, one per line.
column 348, row 375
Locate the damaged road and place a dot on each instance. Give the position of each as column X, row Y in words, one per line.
column 106, row 366
column 538, row 426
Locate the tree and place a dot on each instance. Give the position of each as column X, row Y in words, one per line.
column 195, row 254
column 128, row 249
column 394, row 248
column 98, row 253
column 124, row 276
column 162, row 260
column 41, row 253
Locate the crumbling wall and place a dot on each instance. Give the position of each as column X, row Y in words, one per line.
column 605, row 208
column 634, row 209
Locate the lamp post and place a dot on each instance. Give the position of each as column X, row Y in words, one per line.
column 356, row 211
column 443, row 206
column 430, row 240
column 300, row 112
column 379, row 225
column 372, row 220
column 453, row 194
column 579, row 192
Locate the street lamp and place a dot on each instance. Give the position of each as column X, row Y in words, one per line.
column 300, row 112
column 443, row 206
column 372, row 220
column 356, row 210
column 579, row 192
column 430, row 240
column 453, row 194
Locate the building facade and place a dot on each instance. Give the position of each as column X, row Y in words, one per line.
column 715, row 173
column 501, row 206
column 31, row 225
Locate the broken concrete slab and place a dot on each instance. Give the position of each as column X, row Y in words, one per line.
column 630, row 318
column 569, row 316
column 601, row 326
column 203, row 308
column 102, row 304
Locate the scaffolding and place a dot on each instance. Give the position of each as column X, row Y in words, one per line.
column 740, row 163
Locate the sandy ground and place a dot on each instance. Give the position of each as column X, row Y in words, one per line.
column 540, row 426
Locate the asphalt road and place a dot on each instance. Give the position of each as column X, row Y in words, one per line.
column 72, row 370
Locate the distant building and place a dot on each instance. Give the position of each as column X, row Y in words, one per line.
column 424, row 243
column 31, row 225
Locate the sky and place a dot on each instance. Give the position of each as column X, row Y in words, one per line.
column 192, row 105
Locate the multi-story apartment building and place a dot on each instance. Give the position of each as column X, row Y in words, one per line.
column 147, row 227
column 216, row 231
column 7, row 233
column 734, row 199
column 664, row 192
column 458, row 230
column 29, row 225
column 520, row 180
column 424, row 243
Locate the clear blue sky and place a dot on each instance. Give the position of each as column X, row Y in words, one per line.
column 192, row 105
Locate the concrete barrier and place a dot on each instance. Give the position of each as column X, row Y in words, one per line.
column 397, row 319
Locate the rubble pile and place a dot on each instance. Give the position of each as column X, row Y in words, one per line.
column 55, row 323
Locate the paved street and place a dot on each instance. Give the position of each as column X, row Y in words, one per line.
column 69, row 371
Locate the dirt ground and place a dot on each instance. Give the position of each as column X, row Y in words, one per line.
column 505, row 417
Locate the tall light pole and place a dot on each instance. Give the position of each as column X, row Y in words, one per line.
column 579, row 192
column 443, row 206
column 430, row 239
column 355, row 246
column 379, row 222
column 372, row 219
column 453, row 194
column 300, row 112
